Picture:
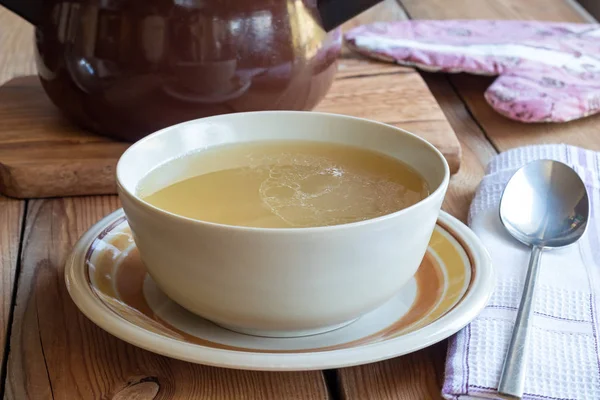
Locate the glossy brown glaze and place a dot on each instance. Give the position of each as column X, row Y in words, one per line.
column 126, row 68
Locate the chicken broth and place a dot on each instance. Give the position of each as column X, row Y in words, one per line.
column 283, row 184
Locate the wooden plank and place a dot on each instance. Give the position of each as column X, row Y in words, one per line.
column 43, row 155
column 354, row 65
column 386, row 10
column 477, row 150
column 415, row 376
column 56, row 352
column 48, row 156
column 11, row 211
column 11, row 217
column 503, row 132
column 381, row 101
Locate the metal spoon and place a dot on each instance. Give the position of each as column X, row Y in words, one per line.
column 544, row 205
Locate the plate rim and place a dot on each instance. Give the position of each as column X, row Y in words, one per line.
column 474, row 301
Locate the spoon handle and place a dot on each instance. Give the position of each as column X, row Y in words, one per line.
column 512, row 379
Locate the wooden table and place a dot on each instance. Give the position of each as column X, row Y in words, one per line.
column 50, row 350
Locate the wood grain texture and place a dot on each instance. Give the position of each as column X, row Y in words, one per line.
column 400, row 99
column 13, row 61
column 57, row 353
column 476, row 149
column 503, row 132
column 43, row 155
column 414, row 376
column 11, row 218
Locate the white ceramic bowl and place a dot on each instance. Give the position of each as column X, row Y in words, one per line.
column 280, row 282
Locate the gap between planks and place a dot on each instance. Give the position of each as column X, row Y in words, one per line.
column 11, row 242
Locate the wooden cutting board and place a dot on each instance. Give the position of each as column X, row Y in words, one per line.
column 44, row 155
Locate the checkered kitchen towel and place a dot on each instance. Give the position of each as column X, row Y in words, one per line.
column 563, row 356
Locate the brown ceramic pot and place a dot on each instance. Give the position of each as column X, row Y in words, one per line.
column 126, row 68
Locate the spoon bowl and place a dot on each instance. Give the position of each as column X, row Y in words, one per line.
column 545, row 205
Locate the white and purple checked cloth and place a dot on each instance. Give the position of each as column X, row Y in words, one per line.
column 563, row 355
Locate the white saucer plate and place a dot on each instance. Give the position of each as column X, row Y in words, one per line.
column 108, row 282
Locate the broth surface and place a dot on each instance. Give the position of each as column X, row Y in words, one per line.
column 283, row 184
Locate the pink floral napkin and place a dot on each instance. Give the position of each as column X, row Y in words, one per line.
column 548, row 72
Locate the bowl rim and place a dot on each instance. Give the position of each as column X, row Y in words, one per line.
column 440, row 190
